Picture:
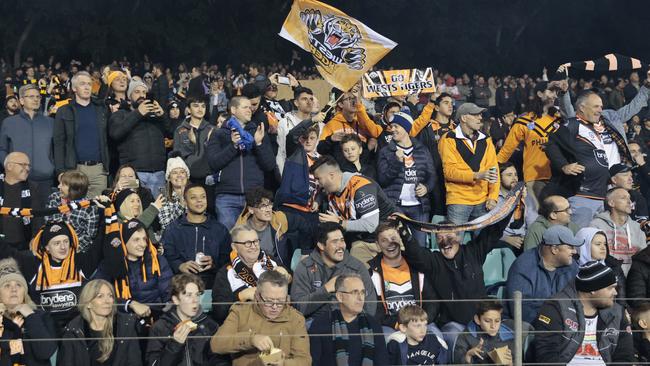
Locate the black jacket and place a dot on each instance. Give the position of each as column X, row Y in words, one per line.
column 238, row 171
column 160, row 90
column 140, row 140
column 163, row 350
column 638, row 278
column 65, row 130
column 457, row 278
column 37, row 326
column 74, row 348
column 429, row 138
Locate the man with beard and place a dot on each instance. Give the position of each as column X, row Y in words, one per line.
column 582, row 324
column 514, row 234
column 12, row 107
column 196, row 242
column 140, row 135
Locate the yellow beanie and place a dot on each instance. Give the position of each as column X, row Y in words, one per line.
column 114, row 75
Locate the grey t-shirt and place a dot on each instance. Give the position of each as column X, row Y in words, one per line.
column 266, row 239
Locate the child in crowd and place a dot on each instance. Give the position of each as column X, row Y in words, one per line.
column 484, row 334
column 412, row 344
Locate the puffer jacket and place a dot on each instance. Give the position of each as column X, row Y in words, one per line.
column 74, row 348
column 390, row 172
column 163, row 350
column 638, row 278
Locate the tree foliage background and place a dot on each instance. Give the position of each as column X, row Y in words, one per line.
column 496, row 36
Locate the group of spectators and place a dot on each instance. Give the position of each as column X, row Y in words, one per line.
column 129, row 190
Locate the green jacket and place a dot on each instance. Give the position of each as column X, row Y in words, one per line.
column 536, row 230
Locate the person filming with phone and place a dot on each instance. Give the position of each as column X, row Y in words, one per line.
column 139, row 134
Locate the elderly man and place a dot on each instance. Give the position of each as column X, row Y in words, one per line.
column 250, row 330
column 30, row 132
column 582, row 151
column 140, row 135
column 348, row 335
column 14, row 192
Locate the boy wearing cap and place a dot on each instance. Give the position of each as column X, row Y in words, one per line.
column 582, row 324
column 469, row 164
column 541, row 272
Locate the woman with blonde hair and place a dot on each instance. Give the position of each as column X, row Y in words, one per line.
column 100, row 335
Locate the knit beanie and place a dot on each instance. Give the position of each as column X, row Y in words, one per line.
column 114, row 75
column 129, row 228
column 121, row 197
column 9, row 272
column 594, row 276
column 52, row 230
column 134, row 84
column 174, row 163
column 402, row 119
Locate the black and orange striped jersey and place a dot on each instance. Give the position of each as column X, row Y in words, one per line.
column 534, row 133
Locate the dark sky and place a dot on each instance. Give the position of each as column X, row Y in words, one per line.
column 490, row 36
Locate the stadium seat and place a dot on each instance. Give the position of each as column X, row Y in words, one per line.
column 206, row 301
column 495, row 270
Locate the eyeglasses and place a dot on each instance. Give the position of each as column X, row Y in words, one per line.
column 569, row 208
column 248, row 243
column 264, row 206
column 357, row 293
column 272, row 303
column 22, row 165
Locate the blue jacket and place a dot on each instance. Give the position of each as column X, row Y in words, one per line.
column 32, row 137
column 182, row 240
column 529, row 276
column 390, row 171
column 238, row 171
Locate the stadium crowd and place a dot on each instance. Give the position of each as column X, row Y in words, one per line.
column 186, row 216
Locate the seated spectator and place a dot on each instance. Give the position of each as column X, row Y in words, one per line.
column 638, row 278
column 357, row 203
column 125, row 177
column 129, row 206
column 512, row 235
column 455, row 272
column 541, row 272
column 470, row 167
column 239, row 153
column 90, row 338
column 624, row 235
column 268, row 323
column 406, row 172
column 313, row 289
column 147, row 274
column 181, row 336
column 15, row 192
column 622, row 177
column 553, row 210
column 196, row 242
column 176, row 177
column 237, row 281
column 595, row 248
column 483, row 334
column 21, row 321
column 279, row 233
column 641, row 332
column 413, row 344
column 140, row 134
column 583, row 324
column 55, row 247
column 354, row 160
column 348, row 335
column 191, row 138
column 73, row 186
column 397, row 285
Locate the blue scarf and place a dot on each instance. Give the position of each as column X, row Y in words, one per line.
column 247, row 141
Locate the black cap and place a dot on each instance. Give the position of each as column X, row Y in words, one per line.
column 618, row 168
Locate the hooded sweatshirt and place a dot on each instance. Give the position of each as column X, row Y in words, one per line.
column 622, row 241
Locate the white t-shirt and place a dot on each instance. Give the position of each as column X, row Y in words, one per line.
column 407, row 196
column 588, row 353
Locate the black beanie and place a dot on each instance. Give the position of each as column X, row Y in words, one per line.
column 121, row 197
column 129, row 228
column 594, row 276
column 54, row 229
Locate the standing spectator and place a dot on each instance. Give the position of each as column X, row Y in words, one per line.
column 554, row 210
column 100, row 321
column 406, row 172
column 160, row 87
column 140, row 136
column 348, row 335
column 355, row 158
column 197, row 87
column 11, row 107
column 492, row 85
column 470, row 168
column 191, row 138
column 582, row 323
column 239, row 153
column 482, row 93
column 117, row 98
column 617, row 96
column 218, row 98
column 30, row 132
column 624, row 235
column 464, row 91
column 176, row 176
column 80, row 136
column 505, row 97
column 14, row 192
column 196, row 242
column 270, row 322
column 632, row 88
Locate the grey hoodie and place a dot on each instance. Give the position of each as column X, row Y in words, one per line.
column 308, row 291
column 631, row 230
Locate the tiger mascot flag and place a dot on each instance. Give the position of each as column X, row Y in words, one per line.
column 343, row 47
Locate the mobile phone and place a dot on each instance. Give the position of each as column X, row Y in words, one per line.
column 161, row 191
column 132, row 184
column 283, row 80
